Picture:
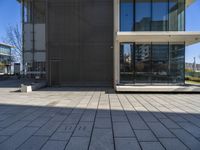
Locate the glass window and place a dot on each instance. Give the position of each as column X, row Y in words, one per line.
column 153, row 64
column 152, row 15
column 126, row 15
column 160, row 63
column 142, row 15
column 181, row 15
column 34, row 11
column 28, row 9
column 126, row 62
column 159, row 15
column 177, row 60
column 173, row 13
column 176, row 15
column 142, row 63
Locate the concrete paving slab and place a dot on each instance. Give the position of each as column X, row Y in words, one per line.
column 122, row 129
column 95, row 119
column 127, row 144
column 19, row 138
column 78, row 143
column 102, row 139
column 54, row 145
column 151, row 146
column 145, row 135
column 187, row 139
column 34, row 143
column 173, row 144
column 83, row 129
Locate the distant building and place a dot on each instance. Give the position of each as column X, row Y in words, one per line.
column 191, row 66
column 5, row 58
column 194, row 65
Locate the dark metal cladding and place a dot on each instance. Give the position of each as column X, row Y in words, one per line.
column 80, row 41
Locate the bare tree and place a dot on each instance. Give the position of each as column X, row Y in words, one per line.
column 14, row 38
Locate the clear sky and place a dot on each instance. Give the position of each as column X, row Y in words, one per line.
column 10, row 14
column 193, row 24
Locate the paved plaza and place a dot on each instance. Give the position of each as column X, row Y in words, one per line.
column 97, row 119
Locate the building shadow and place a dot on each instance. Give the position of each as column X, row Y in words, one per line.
column 66, row 124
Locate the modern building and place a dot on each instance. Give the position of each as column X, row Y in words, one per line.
column 106, row 42
column 5, row 59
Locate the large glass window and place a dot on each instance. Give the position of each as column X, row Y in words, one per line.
column 173, row 15
column 126, row 62
column 152, row 63
column 159, row 15
column 126, row 15
column 142, row 15
column 152, row 15
column 176, row 15
column 34, row 11
column 176, row 61
column 160, row 63
column 28, row 11
column 142, row 63
column 181, row 15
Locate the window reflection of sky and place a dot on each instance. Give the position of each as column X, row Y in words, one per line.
column 127, row 49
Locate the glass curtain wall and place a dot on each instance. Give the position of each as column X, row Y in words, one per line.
column 160, row 62
column 126, row 15
column 152, row 63
column 143, row 63
column 173, row 15
column 152, row 15
column 142, row 15
column 28, row 11
column 126, row 62
column 159, row 15
column 176, row 15
column 181, row 15
column 176, row 63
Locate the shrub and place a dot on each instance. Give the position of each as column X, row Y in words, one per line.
column 196, row 79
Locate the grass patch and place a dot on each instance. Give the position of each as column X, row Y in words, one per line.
column 192, row 82
column 189, row 78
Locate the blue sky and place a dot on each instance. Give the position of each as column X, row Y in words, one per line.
column 10, row 14
column 193, row 24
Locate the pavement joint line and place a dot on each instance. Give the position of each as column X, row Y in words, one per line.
column 180, row 128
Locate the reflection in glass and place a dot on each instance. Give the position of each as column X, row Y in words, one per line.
column 156, row 63
column 126, row 15
column 159, row 15
column 173, row 15
column 142, row 15
column 160, row 62
column 181, row 15
column 126, row 62
column 152, row 15
column 143, row 63
column 176, row 68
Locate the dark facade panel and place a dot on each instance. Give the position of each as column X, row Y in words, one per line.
column 80, row 37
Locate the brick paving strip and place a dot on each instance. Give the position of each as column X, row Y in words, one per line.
column 98, row 119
